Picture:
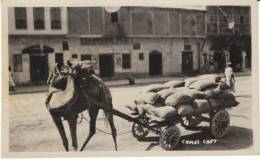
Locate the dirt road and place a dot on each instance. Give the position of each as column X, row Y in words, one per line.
column 31, row 127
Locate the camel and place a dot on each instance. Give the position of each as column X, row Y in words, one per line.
column 69, row 103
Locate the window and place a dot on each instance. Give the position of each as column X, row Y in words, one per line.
column 114, row 17
column 141, row 56
column 17, row 61
column 187, row 47
column 126, row 61
column 136, row 45
column 38, row 18
column 20, row 18
column 85, row 57
column 74, row 56
column 55, row 18
column 65, row 45
column 241, row 19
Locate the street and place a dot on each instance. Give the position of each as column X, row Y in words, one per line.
column 32, row 130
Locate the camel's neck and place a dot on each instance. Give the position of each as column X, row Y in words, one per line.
column 70, row 84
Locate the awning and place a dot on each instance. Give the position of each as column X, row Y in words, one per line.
column 37, row 49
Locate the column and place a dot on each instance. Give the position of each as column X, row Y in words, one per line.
column 243, row 60
column 66, row 56
column 227, row 56
column 51, row 60
column 26, row 69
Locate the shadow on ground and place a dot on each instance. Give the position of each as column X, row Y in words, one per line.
column 236, row 138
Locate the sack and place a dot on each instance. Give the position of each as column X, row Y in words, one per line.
column 178, row 98
column 174, row 84
column 164, row 112
column 195, row 94
column 201, row 105
column 131, row 107
column 214, row 77
column 211, row 93
column 144, row 108
column 189, row 81
column 147, row 97
column 153, row 88
column 185, row 109
column 203, row 84
column 166, row 92
column 181, row 89
column 223, row 85
column 226, row 95
column 214, row 103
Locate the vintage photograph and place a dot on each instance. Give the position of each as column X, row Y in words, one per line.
column 130, row 78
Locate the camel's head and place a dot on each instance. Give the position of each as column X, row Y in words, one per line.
column 82, row 68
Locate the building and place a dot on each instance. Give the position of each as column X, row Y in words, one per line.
column 36, row 36
column 229, row 36
column 136, row 41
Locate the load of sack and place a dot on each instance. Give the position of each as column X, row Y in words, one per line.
column 183, row 98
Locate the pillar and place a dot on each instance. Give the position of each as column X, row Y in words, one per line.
column 26, row 69
column 66, row 56
column 51, row 60
column 227, row 56
column 243, row 60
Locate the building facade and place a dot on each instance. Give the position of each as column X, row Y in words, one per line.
column 136, row 41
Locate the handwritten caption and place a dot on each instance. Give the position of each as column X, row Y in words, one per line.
column 196, row 142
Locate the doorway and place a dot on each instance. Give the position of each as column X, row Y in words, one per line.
column 220, row 59
column 155, row 63
column 39, row 68
column 235, row 57
column 187, row 62
column 106, row 65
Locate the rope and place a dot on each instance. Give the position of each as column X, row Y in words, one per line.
column 82, row 117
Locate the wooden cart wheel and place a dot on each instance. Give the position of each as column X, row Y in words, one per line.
column 139, row 131
column 220, row 124
column 170, row 138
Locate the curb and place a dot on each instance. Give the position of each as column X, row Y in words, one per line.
column 122, row 84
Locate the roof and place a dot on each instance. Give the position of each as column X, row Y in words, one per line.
column 201, row 8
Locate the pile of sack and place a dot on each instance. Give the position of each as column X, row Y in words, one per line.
column 188, row 97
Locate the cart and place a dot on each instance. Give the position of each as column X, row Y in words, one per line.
column 170, row 134
column 217, row 118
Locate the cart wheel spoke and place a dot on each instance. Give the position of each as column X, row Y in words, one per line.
column 170, row 138
column 220, row 123
column 139, row 131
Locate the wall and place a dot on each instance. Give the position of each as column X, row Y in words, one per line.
column 136, row 21
column 171, row 50
column 19, row 43
column 217, row 23
column 30, row 26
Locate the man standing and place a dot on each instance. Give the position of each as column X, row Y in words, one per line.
column 229, row 77
column 11, row 81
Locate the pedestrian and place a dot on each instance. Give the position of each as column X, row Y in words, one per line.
column 229, row 77
column 212, row 64
column 11, row 81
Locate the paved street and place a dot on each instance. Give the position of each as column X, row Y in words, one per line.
column 31, row 127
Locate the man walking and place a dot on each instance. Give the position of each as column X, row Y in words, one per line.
column 229, row 77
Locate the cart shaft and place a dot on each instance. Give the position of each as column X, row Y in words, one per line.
column 112, row 110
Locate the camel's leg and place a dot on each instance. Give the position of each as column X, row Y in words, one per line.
column 93, row 112
column 59, row 125
column 113, row 128
column 73, row 132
